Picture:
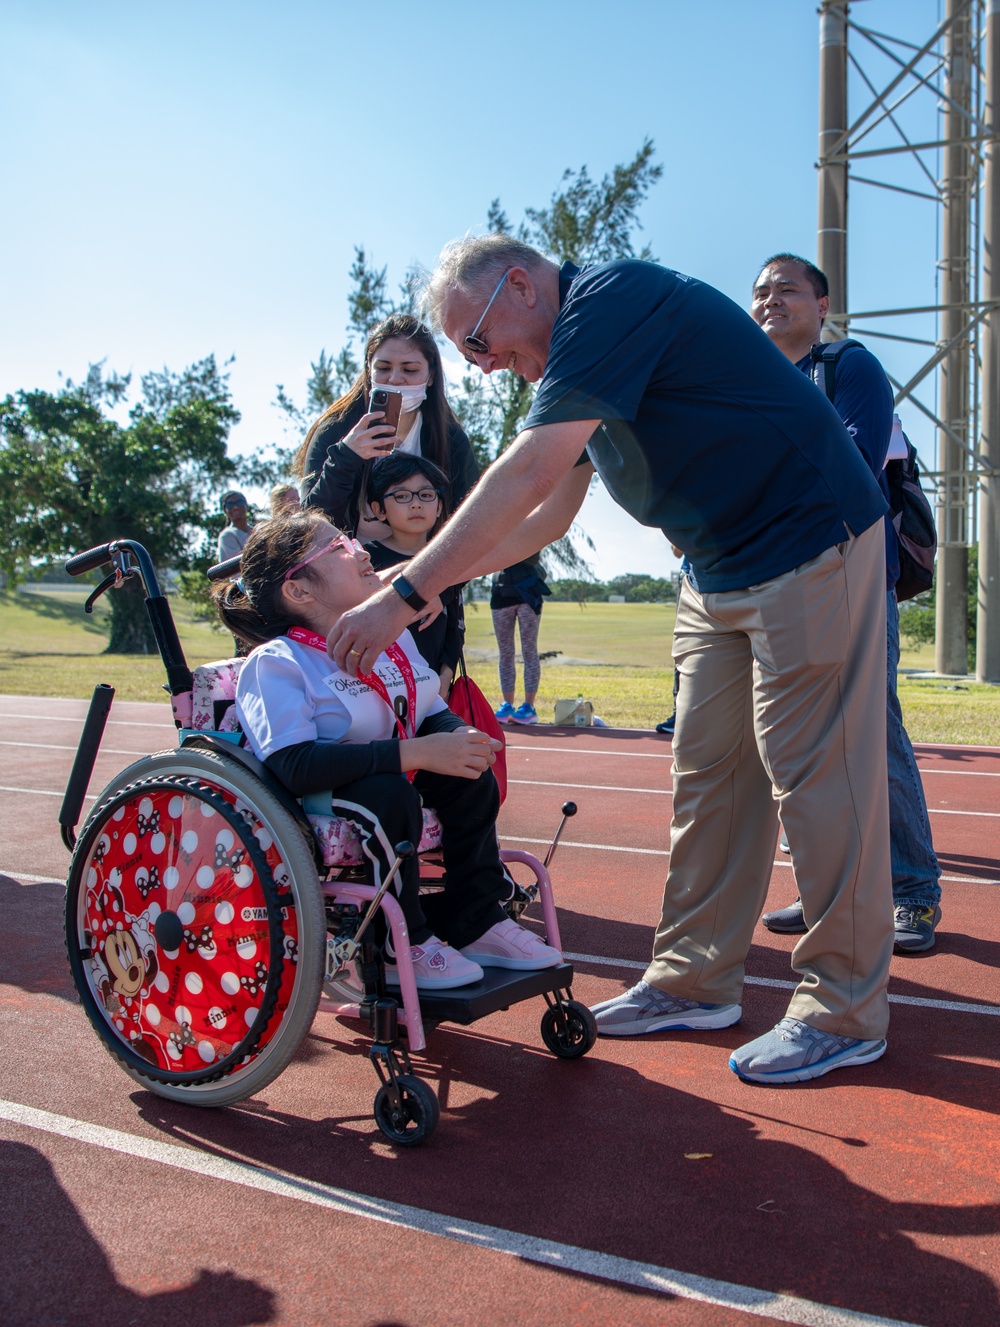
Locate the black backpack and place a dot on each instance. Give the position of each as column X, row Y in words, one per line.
column 912, row 517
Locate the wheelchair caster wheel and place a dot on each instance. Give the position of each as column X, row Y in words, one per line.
column 569, row 1031
column 417, row 1117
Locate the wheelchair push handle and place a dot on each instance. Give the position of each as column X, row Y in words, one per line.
column 224, row 571
column 129, row 559
column 89, row 561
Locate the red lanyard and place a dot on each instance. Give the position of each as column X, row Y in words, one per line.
column 371, row 680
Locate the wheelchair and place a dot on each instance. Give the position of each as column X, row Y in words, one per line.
column 208, row 912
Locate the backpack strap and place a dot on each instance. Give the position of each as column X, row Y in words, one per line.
column 823, row 363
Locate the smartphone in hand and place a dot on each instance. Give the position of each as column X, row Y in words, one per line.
column 385, row 399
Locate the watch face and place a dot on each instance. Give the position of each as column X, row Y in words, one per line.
column 408, row 593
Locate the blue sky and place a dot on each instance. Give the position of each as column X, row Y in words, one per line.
column 188, row 178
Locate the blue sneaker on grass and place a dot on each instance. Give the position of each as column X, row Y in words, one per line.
column 524, row 714
column 645, row 1008
column 794, row 1052
column 506, row 712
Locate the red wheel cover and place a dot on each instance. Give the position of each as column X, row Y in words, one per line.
column 166, row 851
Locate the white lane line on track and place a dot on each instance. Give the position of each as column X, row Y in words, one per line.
column 589, row 787
column 167, row 723
column 964, row 773
column 492, row 1239
column 531, row 783
column 942, row 811
column 665, row 852
column 42, row 792
column 956, row 1006
column 52, row 746
column 587, row 751
column 951, row 1006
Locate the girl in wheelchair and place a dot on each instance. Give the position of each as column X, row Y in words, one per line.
column 383, row 745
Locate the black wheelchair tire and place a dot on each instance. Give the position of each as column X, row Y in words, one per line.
column 216, row 771
column 576, row 1038
column 418, row 1118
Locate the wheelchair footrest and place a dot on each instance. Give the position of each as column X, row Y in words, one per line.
column 499, row 988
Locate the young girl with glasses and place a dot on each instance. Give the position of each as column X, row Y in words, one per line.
column 336, row 456
column 382, row 744
column 408, row 496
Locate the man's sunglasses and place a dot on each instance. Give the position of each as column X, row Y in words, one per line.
column 475, row 343
column 234, row 502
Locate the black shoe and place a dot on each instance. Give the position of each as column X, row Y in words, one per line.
column 914, row 925
column 667, row 726
column 787, row 921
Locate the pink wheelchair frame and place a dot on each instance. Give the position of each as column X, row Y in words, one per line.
column 187, row 846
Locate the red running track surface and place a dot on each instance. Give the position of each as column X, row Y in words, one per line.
column 643, row 1184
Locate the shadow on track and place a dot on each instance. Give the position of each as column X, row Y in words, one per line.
column 593, row 1154
column 32, row 948
column 56, row 1272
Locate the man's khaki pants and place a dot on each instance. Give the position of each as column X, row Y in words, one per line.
column 782, row 700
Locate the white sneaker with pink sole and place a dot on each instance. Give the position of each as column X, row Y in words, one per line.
column 437, row 967
column 507, row 945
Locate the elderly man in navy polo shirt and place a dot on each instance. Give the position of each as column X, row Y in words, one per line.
column 697, row 424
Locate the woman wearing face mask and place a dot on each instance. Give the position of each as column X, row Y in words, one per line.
column 336, row 456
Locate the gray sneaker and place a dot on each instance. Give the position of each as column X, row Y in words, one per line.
column 914, row 925
column 646, row 1008
column 786, row 921
column 794, row 1052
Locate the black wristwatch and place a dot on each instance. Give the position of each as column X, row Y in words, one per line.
column 407, row 593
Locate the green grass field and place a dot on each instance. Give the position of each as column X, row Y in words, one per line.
column 617, row 655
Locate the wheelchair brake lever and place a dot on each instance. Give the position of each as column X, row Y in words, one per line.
column 123, row 570
column 341, row 951
column 568, row 810
column 110, row 580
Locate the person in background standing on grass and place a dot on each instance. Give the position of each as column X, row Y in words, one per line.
column 517, row 598
column 237, row 532
column 284, row 497
column 700, row 427
column 790, row 302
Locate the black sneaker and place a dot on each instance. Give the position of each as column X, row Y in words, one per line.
column 787, row 921
column 914, row 925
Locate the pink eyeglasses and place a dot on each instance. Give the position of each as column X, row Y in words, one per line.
column 341, row 541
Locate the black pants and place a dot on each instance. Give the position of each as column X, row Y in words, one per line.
column 386, row 808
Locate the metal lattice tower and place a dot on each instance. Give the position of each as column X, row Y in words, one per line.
column 958, row 168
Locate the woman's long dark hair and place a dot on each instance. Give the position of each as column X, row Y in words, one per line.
column 253, row 607
column 388, row 473
column 436, row 413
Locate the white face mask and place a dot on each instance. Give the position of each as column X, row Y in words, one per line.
column 413, row 395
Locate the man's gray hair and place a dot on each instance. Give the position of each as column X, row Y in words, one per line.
column 473, row 264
